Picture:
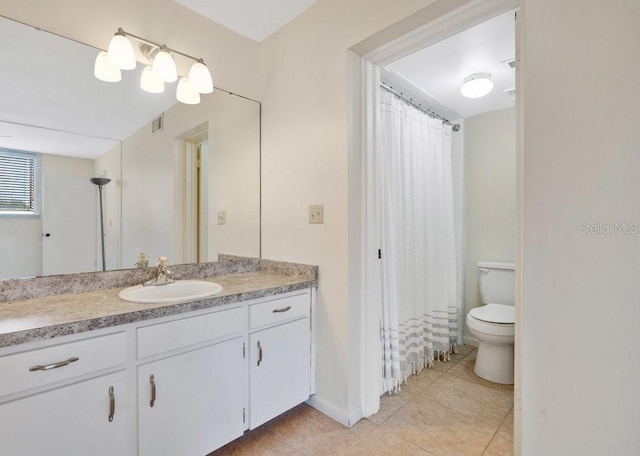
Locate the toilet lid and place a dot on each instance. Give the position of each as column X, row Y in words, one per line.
column 495, row 313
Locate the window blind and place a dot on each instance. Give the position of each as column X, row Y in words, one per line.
column 17, row 182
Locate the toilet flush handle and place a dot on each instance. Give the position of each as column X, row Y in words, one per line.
column 483, row 270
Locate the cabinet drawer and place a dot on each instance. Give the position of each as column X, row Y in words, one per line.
column 163, row 337
column 277, row 310
column 52, row 364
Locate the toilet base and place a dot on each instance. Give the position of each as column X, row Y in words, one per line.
column 495, row 363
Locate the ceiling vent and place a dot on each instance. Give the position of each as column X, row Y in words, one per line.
column 511, row 93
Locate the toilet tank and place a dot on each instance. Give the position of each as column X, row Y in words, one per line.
column 497, row 282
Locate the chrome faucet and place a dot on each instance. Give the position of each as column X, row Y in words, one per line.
column 163, row 275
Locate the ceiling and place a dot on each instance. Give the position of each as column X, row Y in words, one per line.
column 255, row 19
column 438, row 70
column 52, row 103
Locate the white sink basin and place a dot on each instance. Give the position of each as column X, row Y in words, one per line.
column 180, row 290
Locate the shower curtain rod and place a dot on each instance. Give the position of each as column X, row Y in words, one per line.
column 433, row 115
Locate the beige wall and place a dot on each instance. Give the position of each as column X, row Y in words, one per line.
column 153, row 180
column 304, row 161
column 580, row 298
column 490, row 215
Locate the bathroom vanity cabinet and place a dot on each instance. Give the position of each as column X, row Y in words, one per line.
column 280, row 354
column 183, row 384
column 67, row 398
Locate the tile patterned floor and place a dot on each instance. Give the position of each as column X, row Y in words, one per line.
column 444, row 411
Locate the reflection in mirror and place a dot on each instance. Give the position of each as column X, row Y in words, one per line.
column 188, row 191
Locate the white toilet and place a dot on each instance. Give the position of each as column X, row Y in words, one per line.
column 493, row 324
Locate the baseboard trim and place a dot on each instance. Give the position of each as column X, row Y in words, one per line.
column 334, row 412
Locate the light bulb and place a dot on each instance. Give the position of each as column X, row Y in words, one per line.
column 104, row 70
column 186, row 94
column 149, row 82
column 476, row 85
column 200, row 78
column 121, row 53
column 164, row 67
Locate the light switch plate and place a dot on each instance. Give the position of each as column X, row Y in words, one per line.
column 222, row 217
column 316, row 213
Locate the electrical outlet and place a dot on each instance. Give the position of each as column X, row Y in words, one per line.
column 222, row 217
column 316, row 213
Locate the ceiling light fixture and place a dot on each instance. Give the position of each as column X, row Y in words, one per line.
column 121, row 56
column 476, row 85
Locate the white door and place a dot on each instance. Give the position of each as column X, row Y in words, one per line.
column 280, row 370
column 199, row 401
column 87, row 418
column 69, row 227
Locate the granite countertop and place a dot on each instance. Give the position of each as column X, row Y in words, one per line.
column 27, row 320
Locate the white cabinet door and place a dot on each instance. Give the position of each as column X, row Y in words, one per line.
column 69, row 421
column 280, row 370
column 199, row 401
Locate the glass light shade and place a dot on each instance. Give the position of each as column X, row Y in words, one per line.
column 149, row 82
column 186, row 93
column 200, row 78
column 164, row 67
column 477, row 85
column 121, row 53
column 103, row 69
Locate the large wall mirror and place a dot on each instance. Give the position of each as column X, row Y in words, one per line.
column 186, row 186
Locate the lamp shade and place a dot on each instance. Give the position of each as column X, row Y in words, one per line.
column 186, row 93
column 200, row 78
column 103, row 70
column 149, row 82
column 476, row 85
column 164, row 67
column 121, row 53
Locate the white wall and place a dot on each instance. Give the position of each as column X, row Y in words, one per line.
column 304, row 161
column 109, row 165
column 21, row 238
column 580, row 298
column 490, row 195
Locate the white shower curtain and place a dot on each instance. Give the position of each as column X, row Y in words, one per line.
column 415, row 190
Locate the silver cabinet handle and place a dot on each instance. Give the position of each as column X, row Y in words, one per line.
column 40, row 367
column 259, row 353
column 284, row 309
column 112, row 404
column 152, row 380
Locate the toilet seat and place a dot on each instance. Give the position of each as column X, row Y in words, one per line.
column 498, row 314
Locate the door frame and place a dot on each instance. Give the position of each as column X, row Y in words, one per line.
column 434, row 23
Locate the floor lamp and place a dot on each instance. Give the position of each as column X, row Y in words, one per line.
column 101, row 182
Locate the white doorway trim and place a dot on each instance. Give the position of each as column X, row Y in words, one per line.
column 440, row 20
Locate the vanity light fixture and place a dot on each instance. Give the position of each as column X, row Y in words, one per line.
column 121, row 56
column 186, row 93
column 149, row 82
column 104, row 70
column 120, row 52
column 164, row 68
column 476, row 85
